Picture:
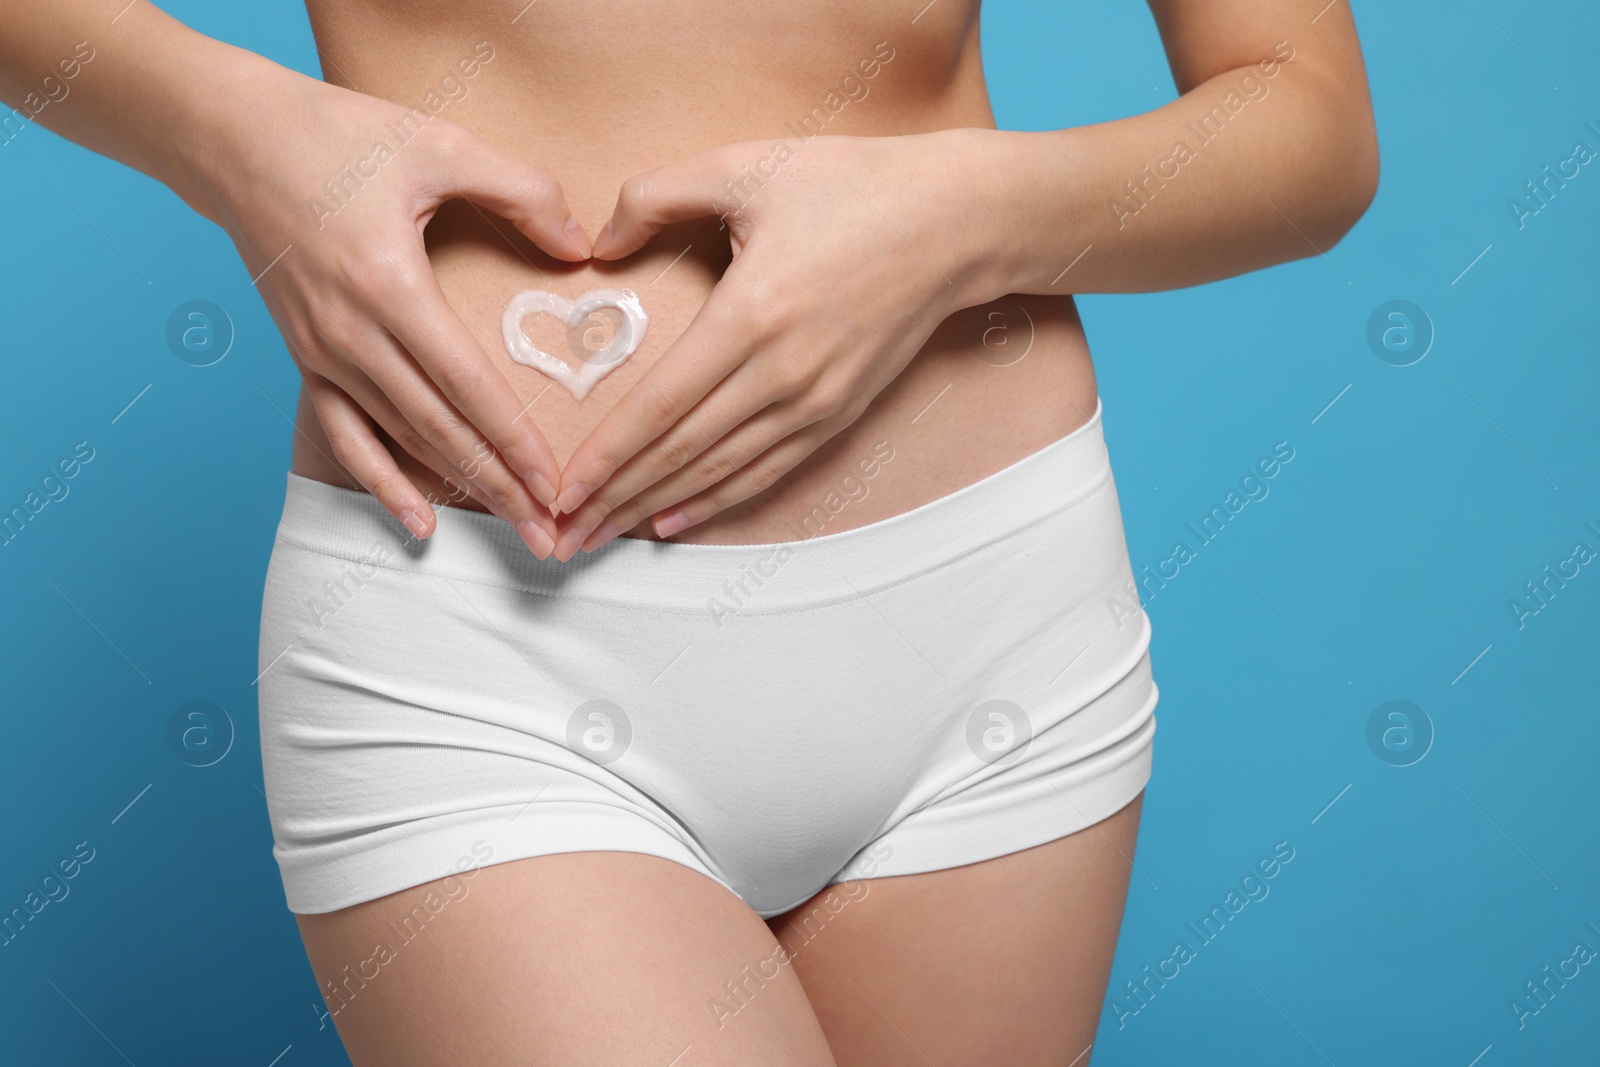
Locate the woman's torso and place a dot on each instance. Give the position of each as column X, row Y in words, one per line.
column 594, row 93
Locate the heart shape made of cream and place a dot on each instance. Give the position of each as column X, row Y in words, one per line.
column 596, row 365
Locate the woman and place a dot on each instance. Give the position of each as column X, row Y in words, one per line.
column 785, row 698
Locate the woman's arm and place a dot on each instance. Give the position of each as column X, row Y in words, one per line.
column 135, row 92
column 1268, row 155
column 254, row 146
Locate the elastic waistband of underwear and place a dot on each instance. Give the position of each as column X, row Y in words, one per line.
column 478, row 547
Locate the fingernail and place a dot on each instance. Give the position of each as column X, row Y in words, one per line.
column 571, row 498
column 535, row 538
column 603, row 533
column 569, row 543
column 605, row 235
column 416, row 522
column 543, row 491
column 672, row 524
column 575, row 234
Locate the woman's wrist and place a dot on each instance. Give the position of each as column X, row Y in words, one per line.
column 205, row 154
column 1010, row 207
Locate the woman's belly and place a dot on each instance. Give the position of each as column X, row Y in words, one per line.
column 992, row 385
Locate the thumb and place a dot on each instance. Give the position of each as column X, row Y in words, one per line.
column 693, row 188
column 517, row 191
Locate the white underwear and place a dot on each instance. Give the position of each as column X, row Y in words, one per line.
column 958, row 682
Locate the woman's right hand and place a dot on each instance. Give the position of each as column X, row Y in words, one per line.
column 353, row 292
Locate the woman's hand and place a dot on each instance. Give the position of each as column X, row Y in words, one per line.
column 326, row 205
column 848, row 253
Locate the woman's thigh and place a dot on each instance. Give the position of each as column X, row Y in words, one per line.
column 587, row 958
column 1004, row 961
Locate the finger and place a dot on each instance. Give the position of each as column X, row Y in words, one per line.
column 456, row 486
column 409, row 407
column 380, row 411
column 515, row 190
column 357, row 449
column 495, row 489
column 680, row 191
column 736, row 458
column 715, row 344
column 754, row 397
column 428, row 328
column 755, row 476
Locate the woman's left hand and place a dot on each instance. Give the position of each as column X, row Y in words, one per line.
column 847, row 253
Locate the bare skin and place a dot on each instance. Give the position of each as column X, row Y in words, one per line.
column 526, row 100
column 609, row 957
column 652, row 419
column 733, row 429
column 851, row 299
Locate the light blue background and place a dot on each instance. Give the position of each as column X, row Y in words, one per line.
column 1379, row 568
